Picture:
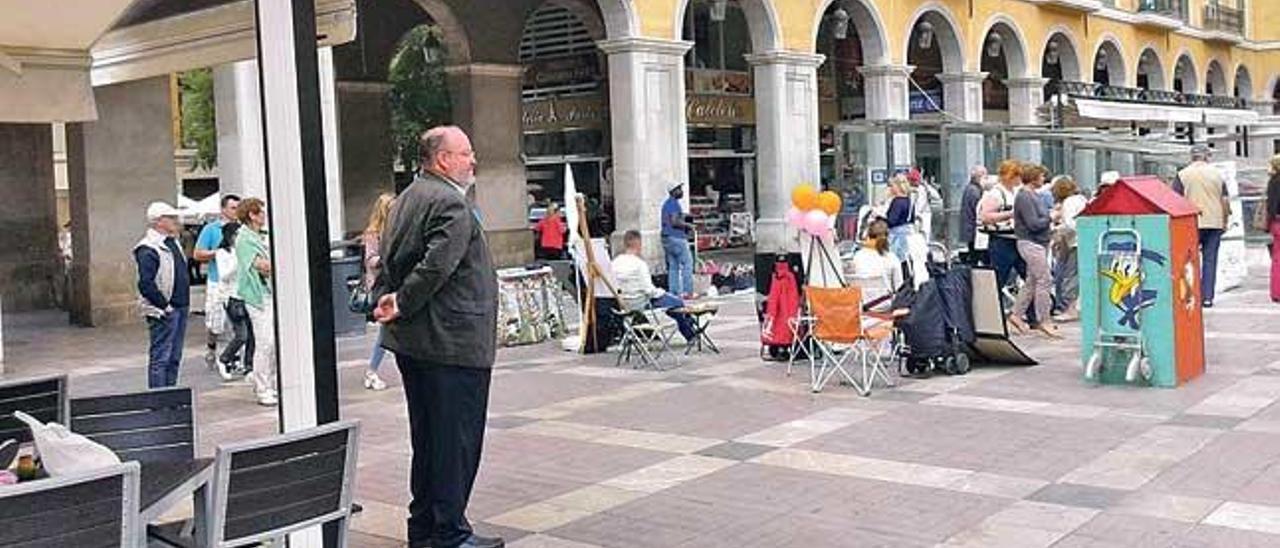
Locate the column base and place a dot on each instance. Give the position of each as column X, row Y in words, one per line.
column 510, row 247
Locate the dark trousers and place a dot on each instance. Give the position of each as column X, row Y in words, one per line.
column 243, row 330
column 1210, row 239
column 447, row 407
column 1003, row 253
column 165, row 353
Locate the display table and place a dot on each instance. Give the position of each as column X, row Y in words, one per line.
column 531, row 306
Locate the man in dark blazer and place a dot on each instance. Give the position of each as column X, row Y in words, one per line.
column 439, row 313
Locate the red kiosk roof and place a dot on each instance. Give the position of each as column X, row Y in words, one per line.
column 1140, row 195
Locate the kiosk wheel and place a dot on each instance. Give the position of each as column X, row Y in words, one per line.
column 1092, row 368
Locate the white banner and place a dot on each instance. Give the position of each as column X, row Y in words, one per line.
column 1233, row 265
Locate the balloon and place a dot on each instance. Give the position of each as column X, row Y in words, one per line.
column 804, row 197
column 829, row 202
column 795, row 218
column 815, row 222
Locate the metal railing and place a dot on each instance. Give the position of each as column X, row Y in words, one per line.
column 1138, row 95
column 1223, row 18
column 1170, row 8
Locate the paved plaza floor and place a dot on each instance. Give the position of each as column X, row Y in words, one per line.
column 726, row 450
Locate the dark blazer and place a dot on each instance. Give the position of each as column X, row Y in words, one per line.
column 436, row 260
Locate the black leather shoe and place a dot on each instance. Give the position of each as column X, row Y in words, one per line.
column 477, row 541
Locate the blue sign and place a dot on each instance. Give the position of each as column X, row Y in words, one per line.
column 880, row 175
column 930, row 101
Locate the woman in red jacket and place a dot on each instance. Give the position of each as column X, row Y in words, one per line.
column 551, row 234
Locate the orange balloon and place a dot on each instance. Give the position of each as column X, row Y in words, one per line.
column 829, row 202
column 804, row 197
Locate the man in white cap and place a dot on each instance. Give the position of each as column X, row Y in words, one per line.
column 1204, row 186
column 675, row 243
column 164, row 288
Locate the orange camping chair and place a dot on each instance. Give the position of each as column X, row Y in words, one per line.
column 839, row 335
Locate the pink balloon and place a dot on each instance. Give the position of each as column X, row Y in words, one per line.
column 815, row 222
column 795, row 218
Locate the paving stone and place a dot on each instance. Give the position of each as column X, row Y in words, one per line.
column 734, row 450
column 1205, row 421
column 1084, row 496
column 507, row 422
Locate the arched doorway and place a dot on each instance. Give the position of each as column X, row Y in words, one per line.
column 1150, row 71
column 418, row 95
column 720, row 113
column 565, row 110
column 1242, row 90
column 1215, row 80
column 850, row 38
column 934, row 49
column 1185, row 78
column 1060, row 62
column 1003, row 58
column 1108, row 64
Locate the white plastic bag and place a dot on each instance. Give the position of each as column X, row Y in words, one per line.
column 64, row 452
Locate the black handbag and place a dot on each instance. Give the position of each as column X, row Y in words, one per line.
column 361, row 300
column 236, row 310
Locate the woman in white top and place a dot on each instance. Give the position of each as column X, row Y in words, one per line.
column 874, row 267
column 1069, row 202
column 229, row 363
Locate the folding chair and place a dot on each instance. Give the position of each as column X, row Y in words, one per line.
column 94, row 509
column 644, row 327
column 839, row 323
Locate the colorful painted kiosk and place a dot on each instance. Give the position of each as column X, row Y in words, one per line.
column 1140, row 286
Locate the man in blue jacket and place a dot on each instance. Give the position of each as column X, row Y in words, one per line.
column 164, row 293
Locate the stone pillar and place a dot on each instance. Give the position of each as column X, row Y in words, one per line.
column 29, row 258
column 963, row 98
column 115, row 167
column 787, row 139
column 241, row 167
column 1026, row 95
column 1262, row 147
column 887, row 96
column 648, row 125
column 364, row 147
column 1085, row 167
column 486, row 104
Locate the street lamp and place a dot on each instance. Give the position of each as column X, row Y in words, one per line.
column 1051, row 54
column 718, row 9
column 925, row 31
column 993, row 45
column 840, row 24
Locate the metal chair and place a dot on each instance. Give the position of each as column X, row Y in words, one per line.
column 156, row 425
column 97, row 509
column 268, row 488
column 44, row 398
column 644, row 326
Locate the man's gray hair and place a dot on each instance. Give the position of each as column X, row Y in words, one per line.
column 432, row 142
column 1200, row 152
column 976, row 173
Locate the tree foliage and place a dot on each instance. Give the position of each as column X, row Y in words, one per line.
column 199, row 128
column 419, row 91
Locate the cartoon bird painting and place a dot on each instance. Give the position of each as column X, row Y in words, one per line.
column 1127, row 293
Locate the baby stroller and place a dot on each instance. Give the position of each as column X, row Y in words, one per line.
column 928, row 344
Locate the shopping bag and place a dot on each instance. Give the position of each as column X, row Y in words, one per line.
column 63, row 452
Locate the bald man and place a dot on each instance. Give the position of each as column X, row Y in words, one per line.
column 439, row 313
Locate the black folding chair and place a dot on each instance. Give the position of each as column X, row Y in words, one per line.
column 97, row 509
column 156, row 425
column 44, row 398
column 266, row 489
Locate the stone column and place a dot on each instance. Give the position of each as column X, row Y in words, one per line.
column 1025, row 96
column 1124, row 162
column 787, row 139
column 364, row 147
column 115, row 167
column 1262, row 147
column 486, row 104
column 887, row 96
column 963, row 95
column 649, row 132
column 29, row 258
column 1085, row 167
column 241, row 167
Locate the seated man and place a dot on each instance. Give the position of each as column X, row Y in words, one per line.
column 631, row 273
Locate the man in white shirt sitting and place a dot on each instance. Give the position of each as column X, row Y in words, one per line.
column 635, row 284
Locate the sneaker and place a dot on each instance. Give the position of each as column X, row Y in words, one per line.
column 268, row 399
column 226, row 370
column 373, row 382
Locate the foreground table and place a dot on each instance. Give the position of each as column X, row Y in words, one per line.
column 164, row 484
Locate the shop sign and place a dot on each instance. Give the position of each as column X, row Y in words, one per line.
column 561, row 71
column 700, row 81
column 921, row 103
column 549, row 114
column 720, row 109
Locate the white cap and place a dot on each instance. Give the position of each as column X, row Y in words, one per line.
column 160, row 209
column 674, row 185
column 1108, row 177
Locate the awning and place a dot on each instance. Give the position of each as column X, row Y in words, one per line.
column 44, row 57
column 1229, row 117
column 1137, row 112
